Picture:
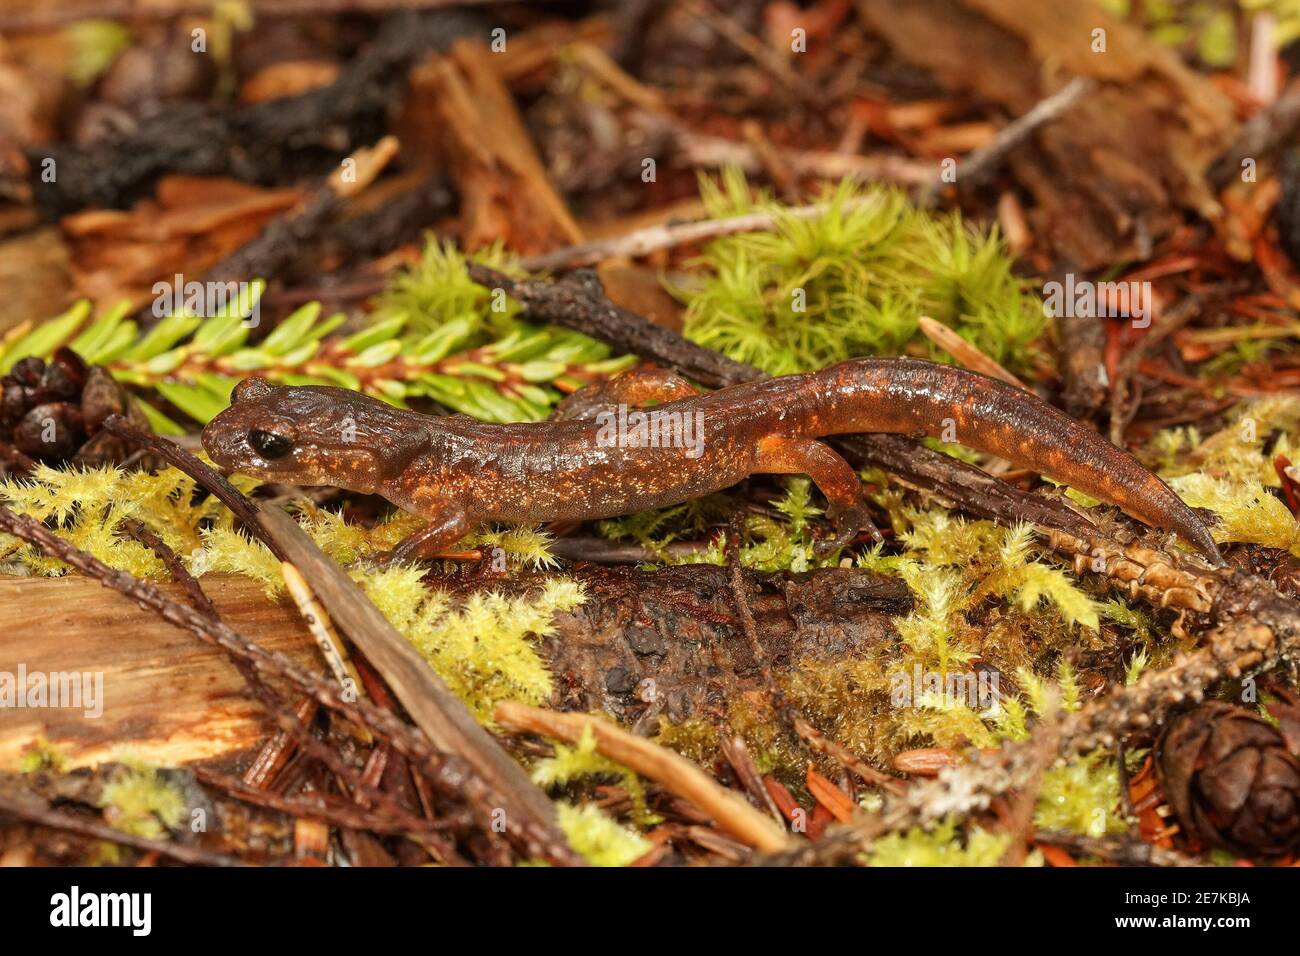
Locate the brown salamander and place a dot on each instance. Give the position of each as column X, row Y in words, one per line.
column 598, row 458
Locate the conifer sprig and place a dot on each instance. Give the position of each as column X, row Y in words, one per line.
column 436, row 335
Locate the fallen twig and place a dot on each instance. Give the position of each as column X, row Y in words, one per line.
column 37, row 810
column 642, row 242
column 1123, row 850
column 205, row 475
column 280, row 240
column 981, row 163
column 726, row 808
column 431, row 704
column 963, row 351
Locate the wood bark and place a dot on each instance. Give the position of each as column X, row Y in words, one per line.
column 170, row 699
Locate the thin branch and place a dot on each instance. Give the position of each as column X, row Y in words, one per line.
column 1125, row 851
column 983, row 162
column 38, row 811
column 642, row 242
column 205, row 475
column 725, row 807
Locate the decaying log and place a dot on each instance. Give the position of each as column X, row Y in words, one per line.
column 167, row 697
column 171, row 699
column 670, row 642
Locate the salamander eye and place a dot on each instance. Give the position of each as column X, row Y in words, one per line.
column 268, row 444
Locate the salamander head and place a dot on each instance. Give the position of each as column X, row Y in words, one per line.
column 309, row 435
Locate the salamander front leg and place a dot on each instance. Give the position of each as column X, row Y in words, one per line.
column 832, row 475
column 435, row 537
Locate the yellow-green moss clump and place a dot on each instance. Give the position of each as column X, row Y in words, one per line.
column 138, row 800
column 572, row 764
column 599, row 838
column 484, row 647
column 1081, row 795
column 944, row 845
column 852, row 282
column 1232, row 474
column 87, row 507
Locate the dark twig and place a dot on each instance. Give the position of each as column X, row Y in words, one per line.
column 278, row 140
column 198, row 598
column 580, row 303
column 281, row 240
column 205, row 475
column 28, row 806
column 337, row 814
column 759, row 52
column 983, row 162
column 1124, row 850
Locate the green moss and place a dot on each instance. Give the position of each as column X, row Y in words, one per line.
column 693, row 738
column 598, row 838
column 944, row 845
column 983, row 596
column 438, row 289
column 1081, row 795
column 853, row 282
column 781, row 540
column 87, row 507
column 484, row 647
column 1246, row 510
column 40, row 754
column 575, row 763
column 138, row 800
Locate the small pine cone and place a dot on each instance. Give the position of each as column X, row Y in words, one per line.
column 1231, row 779
column 53, row 413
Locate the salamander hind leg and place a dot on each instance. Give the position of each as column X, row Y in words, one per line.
column 635, row 388
column 833, row 476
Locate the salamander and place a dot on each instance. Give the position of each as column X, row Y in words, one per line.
column 599, row 457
